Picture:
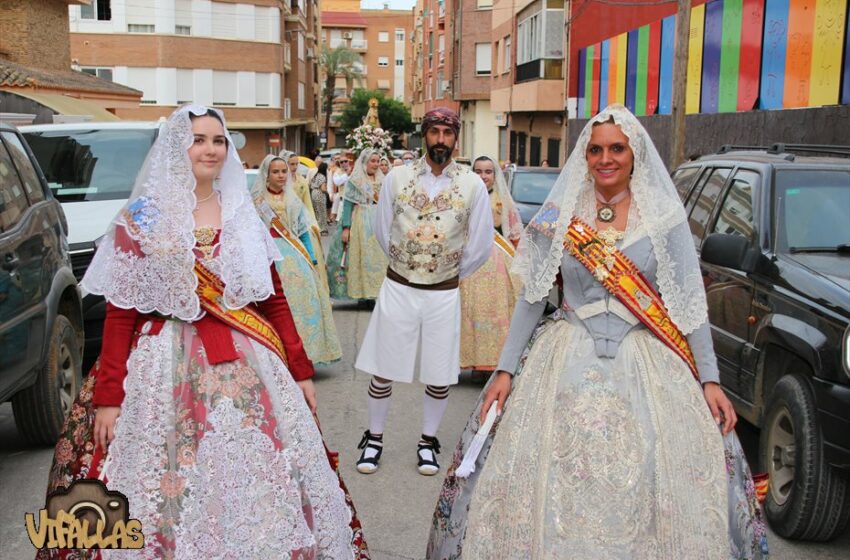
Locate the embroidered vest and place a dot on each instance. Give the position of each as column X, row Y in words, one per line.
column 427, row 236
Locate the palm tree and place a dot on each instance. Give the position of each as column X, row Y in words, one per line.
column 337, row 62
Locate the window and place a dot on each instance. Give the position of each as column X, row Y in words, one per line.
column 301, row 105
column 485, row 4
column 534, row 148
column 442, row 48
column 383, row 84
column 13, row 201
column 430, row 93
column 140, row 28
column 709, row 190
column 103, row 73
column 528, row 47
column 224, row 88
column 483, row 58
column 185, row 86
column 287, row 108
column 399, row 62
column 300, row 46
column 507, row 66
column 263, row 89
column 32, row 184
column 736, row 214
column 683, row 179
column 553, row 152
column 440, row 85
column 144, row 80
column 100, row 10
column 399, row 34
column 383, row 61
column 183, row 29
column 383, row 36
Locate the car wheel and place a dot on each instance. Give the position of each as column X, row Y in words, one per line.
column 41, row 410
column 806, row 499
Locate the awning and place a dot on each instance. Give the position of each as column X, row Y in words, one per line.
column 70, row 106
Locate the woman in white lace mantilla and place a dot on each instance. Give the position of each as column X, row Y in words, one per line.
column 606, row 446
column 201, row 407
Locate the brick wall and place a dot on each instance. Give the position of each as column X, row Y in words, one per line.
column 35, row 33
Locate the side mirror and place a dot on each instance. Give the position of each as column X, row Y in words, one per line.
column 732, row 251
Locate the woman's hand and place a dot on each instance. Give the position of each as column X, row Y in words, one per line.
column 345, row 234
column 104, row 425
column 309, row 391
column 720, row 406
column 498, row 391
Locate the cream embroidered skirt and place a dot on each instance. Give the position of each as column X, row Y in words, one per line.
column 602, row 458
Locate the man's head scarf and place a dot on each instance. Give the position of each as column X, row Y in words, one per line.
column 443, row 116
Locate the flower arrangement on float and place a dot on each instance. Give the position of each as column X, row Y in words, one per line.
column 366, row 136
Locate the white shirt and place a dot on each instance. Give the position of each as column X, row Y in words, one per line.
column 479, row 239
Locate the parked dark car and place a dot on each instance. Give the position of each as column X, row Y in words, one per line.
column 41, row 326
column 529, row 187
column 773, row 229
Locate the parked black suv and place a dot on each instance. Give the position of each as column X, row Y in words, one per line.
column 773, row 229
column 41, row 326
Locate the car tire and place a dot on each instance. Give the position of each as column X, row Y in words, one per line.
column 806, row 499
column 40, row 410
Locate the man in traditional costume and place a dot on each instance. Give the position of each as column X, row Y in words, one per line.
column 434, row 222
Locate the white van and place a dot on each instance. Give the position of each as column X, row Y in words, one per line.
column 91, row 169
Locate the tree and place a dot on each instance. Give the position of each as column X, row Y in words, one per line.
column 394, row 116
column 338, row 62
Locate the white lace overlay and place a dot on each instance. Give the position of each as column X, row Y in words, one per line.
column 656, row 206
column 145, row 259
column 626, row 460
column 236, row 494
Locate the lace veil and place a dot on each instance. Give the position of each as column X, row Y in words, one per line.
column 359, row 189
column 656, row 205
column 295, row 217
column 145, row 261
column 511, row 220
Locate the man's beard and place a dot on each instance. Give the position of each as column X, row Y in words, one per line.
column 439, row 153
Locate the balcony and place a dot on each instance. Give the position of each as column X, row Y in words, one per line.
column 354, row 44
column 359, row 44
column 540, row 69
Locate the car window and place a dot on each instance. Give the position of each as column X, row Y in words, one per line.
column 701, row 211
column 91, row 164
column 31, row 182
column 736, row 214
column 814, row 208
column 532, row 187
column 683, row 179
column 13, row 200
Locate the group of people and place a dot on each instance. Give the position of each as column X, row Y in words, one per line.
column 613, row 436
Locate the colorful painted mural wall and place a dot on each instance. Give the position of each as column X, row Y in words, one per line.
column 742, row 55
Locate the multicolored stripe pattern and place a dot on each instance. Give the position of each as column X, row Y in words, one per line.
column 742, row 55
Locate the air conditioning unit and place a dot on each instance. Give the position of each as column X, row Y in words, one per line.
column 347, row 35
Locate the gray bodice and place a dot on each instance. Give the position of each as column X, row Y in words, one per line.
column 607, row 321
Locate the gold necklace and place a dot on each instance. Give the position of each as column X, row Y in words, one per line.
column 199, row 202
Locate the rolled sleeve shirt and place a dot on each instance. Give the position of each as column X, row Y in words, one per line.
column 479, row 238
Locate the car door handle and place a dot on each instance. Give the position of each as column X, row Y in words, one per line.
column 10, row 262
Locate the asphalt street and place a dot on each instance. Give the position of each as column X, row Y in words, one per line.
column 395, row 504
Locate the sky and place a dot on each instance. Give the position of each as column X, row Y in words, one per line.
column 394, row 4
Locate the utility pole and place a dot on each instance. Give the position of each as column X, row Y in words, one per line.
column 680, row 83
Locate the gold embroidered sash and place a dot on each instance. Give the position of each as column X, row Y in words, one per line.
column 246, row 320
column 626, row 282
column 504, row 244
column 289, row 238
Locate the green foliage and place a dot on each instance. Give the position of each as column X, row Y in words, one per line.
column 394, row 116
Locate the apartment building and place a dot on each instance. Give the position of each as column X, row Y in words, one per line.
column 250, row 58
column 383, row 40
column 37, row 81
column 434, row 64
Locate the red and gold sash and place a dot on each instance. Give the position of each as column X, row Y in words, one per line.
column 246, row 320
column 288, row 237
column 624, row 280
column 504, row 244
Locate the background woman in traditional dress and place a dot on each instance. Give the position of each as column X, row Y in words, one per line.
column 307, row 296
column 356, row 263
column 607, row 448
column 319, row 194
column 207, row 422
column 488, row 296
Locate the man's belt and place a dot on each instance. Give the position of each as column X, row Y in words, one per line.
column 449, row 284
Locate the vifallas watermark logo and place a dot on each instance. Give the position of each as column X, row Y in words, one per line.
column 85, row 515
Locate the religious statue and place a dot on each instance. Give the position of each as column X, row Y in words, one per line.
column 371, row 117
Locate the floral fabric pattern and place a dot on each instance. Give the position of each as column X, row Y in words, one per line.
column 356, row 271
